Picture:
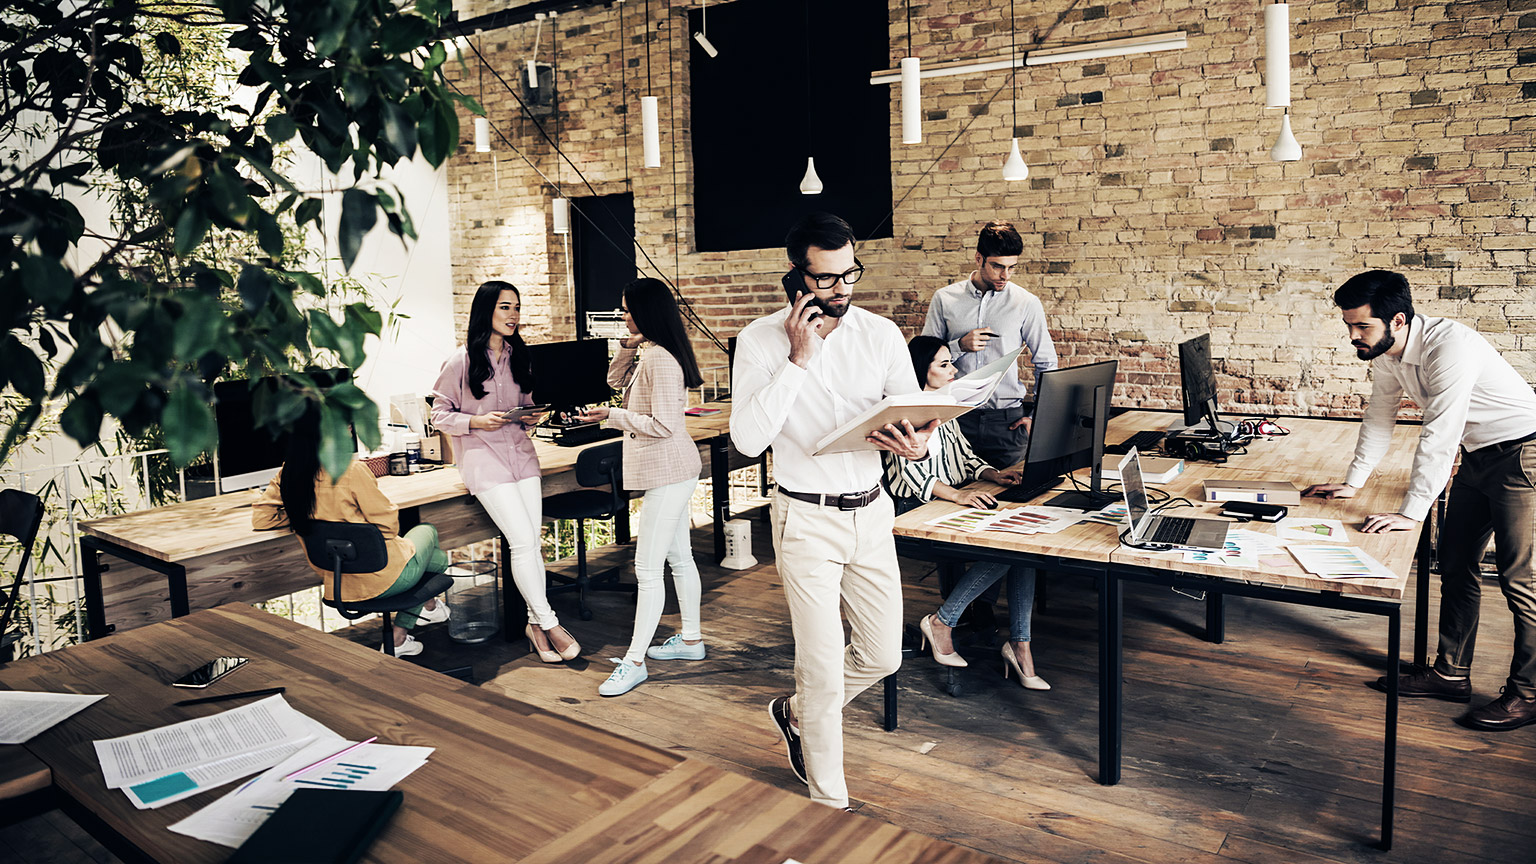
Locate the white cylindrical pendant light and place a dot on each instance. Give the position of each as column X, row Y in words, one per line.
column 810, row 184
column 1286, row 148
column 911, row 100
column 1014, row 168
column 1277, row 55
column 533, row 74
column 561, row 211
column 650, row 132
column 482, row 135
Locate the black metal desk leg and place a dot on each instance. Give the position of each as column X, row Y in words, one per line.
column 890, row 701
column 1389, row 748
column 720, row 479
column 1424, row 559
column 1110, row 670
column 95, row 608
column 1215, row 617
column 176, row 581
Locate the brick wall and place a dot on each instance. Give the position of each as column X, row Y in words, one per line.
column 1152, row 212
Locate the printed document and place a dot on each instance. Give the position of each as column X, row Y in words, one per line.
column 24, row 714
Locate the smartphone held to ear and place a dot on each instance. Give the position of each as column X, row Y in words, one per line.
column 209, row 672
column 794, row 286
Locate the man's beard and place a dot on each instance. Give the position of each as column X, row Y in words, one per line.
column 1380, row 348
column 831, row 311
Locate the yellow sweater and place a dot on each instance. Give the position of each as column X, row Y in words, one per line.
column 357, row 498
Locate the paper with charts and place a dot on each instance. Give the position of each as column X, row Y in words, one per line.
column 1306, row 529
column 1019, row 520
column 1243, row 548
column 173, row 762
column 1339, row 562
column 233, row 818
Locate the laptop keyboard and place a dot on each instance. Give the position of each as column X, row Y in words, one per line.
column 1173, row 531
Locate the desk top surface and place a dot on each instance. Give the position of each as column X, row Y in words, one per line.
column 507, row 781
column 1316, row 451
column 181, row 532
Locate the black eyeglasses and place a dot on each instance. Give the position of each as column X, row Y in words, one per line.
column 828, row 280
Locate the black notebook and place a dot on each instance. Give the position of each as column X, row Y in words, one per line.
column 320, row 826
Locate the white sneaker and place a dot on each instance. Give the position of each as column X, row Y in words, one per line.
column 435, row 615
column 409, row 648
column 676, row 649
column 625, row 678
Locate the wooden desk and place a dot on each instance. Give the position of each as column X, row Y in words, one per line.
column 507, row 781
column 1316, row 451
column 201, row 554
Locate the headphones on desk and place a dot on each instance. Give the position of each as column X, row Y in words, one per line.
column 1256, row 426
column 1195, row 450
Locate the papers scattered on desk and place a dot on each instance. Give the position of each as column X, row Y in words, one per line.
column 233, row 818
column 1304, row 529
column 1019, row 520
column 1243, row 548
column 24, row 713
column 173, row 762
column 1112, row 514
column 967, row 520
column 1339, row 562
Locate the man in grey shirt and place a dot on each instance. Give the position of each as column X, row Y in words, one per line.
column 983, row 317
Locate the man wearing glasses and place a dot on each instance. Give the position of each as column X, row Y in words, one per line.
column 799, row 374
column 983, row 317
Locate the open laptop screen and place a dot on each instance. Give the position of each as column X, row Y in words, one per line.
column 1135, row 492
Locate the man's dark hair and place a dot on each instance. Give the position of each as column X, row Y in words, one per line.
column 822, row 230
column 999, row 238
column 1384, row 291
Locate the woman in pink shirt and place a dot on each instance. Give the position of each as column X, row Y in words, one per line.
column 489, row 376
column 661, row 459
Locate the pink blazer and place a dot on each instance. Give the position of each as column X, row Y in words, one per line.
column 657, row 449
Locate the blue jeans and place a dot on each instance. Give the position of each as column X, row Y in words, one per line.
column 978, row 578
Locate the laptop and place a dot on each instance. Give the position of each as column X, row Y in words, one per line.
column 1164, row 532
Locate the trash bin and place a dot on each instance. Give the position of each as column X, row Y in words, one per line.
column 475, row 599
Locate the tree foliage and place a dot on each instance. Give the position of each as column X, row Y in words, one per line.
column 136, row 320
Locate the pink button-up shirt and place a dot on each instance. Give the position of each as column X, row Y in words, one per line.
column 486, row 458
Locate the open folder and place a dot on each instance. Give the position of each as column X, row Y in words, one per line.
column 919, row 408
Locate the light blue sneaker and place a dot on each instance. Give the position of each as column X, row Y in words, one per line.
column 625, row 678
column 675, row 649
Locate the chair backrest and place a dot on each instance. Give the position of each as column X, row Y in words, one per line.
column 345, row 547
column 21, row 514
column 603, row 465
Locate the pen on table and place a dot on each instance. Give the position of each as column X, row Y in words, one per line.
column 343, row 751
column 270, row 691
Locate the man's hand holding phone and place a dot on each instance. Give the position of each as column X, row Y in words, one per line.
column 803, row 326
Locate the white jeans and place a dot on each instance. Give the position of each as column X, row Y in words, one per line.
column 664, row 539
column 518, row 511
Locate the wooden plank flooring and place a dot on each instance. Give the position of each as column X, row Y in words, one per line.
column 1264, row 749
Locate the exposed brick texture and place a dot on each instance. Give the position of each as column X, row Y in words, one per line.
column 1152, row 212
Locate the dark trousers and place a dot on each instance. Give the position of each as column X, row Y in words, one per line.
column 1492, row 496
column 987, row 431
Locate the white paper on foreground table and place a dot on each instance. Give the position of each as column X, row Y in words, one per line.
column 25, row 713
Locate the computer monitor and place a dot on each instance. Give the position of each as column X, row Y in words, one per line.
column 568, row 375
column 1071, row 414
column 248, row 454
column 1198, row 382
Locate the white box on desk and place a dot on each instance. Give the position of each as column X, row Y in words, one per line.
column 1154, row 469
column 1256, row 491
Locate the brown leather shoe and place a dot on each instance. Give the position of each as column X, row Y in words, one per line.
column 1509, row 711
column 1423, row 682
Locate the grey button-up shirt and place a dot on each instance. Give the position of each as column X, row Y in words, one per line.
column 1015, row 315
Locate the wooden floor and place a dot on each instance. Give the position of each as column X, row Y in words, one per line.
column 1264, row 749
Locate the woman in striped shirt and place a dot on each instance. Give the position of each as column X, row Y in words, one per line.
column 951, row 464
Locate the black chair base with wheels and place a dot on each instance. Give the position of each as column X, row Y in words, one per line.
column 595, row 466
column 358, row 547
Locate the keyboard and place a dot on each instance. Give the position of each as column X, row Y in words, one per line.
column 576, row 436
column 1172, row 530
column 1143, row 441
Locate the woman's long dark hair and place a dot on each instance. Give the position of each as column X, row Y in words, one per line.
column 655, row 312
column 301, row 470
column 923, row 349
column 480, row 310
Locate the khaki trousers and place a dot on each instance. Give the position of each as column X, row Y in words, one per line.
column 830, row 558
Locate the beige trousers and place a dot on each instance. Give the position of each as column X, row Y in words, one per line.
column 830, row 558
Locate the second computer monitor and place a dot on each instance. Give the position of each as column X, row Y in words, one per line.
column 1067, row 434
column 567, row 375
column 1198, row 382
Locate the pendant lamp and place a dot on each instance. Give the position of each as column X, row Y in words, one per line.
column 650, row 128
column 911, row 91
column 1014, row 168
column 1277, row 78
column 810, row 184
column 482, row 124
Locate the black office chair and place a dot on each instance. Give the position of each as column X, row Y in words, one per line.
column 602, row 465
column 21, row 514
column 358, row 547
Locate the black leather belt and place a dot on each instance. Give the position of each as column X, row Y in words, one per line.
column 1506, row 444
column 851, row 501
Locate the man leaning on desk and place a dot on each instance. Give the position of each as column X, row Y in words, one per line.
column 1470, row 396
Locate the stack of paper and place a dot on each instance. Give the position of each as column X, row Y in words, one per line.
column 1243, row 548
column 24, row 714
column 1019, row 520
column 1339, row 562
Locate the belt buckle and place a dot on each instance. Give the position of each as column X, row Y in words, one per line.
column 850, row 501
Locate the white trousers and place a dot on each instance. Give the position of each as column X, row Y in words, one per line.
column 664, row 539
column 836, row 561
column 518, row 511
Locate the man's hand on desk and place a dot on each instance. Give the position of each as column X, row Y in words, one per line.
column 1330, row 490
column 1009, row 477
column 905, row 441
column 1380, row 523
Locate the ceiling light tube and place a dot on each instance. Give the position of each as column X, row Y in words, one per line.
column 482, row 135
column 1110, row 48
column 1277, row 55
column 650, row 131
column 561, row 213
column 911, row 101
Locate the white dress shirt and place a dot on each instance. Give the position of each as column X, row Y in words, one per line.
column 1470, row 395
column 777, row 403
column 1015, row 315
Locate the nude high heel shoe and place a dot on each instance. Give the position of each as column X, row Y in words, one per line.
column 570, row 651
column 545, row 655
column 1029, row 682
column 953, row 658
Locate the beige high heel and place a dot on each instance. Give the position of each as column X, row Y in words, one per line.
column 1010, row 661
column 953, row 658
column 545, row 655
column 571, row 651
